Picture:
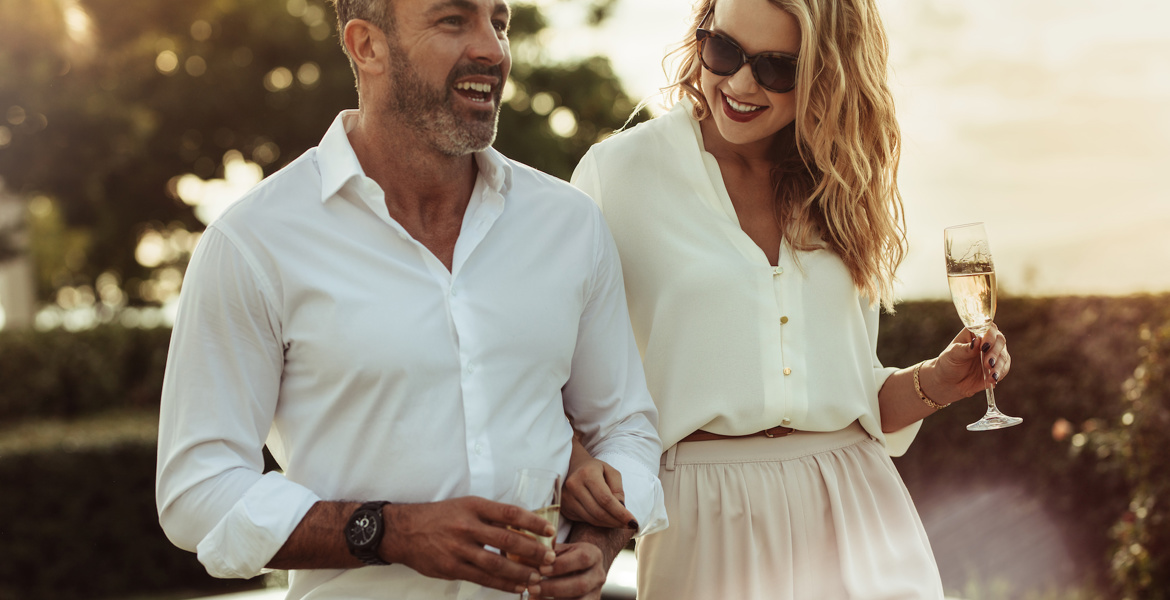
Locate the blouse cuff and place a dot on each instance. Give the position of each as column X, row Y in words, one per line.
column 644, row 497
column 255, row 528
column 898, row 442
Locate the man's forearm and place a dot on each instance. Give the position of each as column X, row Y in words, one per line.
column 609, row 541
column 318, row 542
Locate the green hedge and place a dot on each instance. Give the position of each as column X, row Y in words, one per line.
column 1070, row 358
column 78, row 521
column 61, row 374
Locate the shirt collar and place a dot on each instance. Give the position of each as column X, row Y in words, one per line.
column 339, row 163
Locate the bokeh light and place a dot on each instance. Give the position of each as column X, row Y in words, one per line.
column 166, row 62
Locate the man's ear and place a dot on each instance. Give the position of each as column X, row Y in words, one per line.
column 367, row 46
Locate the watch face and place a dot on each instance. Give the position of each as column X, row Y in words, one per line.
column 363, row 528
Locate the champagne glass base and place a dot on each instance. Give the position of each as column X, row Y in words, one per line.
column 992, row 421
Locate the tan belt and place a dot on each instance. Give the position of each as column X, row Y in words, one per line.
column 771, row 432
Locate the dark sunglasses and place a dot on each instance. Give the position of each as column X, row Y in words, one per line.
column 774, row 71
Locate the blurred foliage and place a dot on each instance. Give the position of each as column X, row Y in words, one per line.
column 104, row 103
column 1136, row 448
column 66, row 375
column 1078, row 365
column 1070, row 357
column 79, row 522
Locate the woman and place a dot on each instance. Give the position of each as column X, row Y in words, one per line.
column 759, row 225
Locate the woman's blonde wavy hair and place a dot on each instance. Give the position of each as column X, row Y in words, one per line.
column 837, row 169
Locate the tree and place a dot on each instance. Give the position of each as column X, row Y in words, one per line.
column 110, row 102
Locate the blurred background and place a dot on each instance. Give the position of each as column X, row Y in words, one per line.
column 126, row 126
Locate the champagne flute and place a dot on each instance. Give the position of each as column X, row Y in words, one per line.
column 539, row 491
column 971, row 277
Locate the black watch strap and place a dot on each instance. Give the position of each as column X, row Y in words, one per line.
column 364, row 532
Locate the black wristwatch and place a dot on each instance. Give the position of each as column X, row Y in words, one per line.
column 364, row 531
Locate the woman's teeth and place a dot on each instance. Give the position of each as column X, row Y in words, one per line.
column 742, row 108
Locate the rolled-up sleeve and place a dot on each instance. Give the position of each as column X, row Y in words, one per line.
column 606, row 395
column 219, row 395
column 897, row 442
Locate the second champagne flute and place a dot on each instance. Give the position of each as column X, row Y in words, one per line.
column 539, row 491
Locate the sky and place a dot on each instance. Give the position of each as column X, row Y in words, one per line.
column 1048, row 120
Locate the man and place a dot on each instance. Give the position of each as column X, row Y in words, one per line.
column 404, row 316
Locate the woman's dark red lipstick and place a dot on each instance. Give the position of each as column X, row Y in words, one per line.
column 739, row 117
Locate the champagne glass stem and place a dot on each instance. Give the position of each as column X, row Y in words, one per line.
column 989, row 391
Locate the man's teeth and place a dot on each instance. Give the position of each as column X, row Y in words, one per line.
column 483, row 88
column 743, row 108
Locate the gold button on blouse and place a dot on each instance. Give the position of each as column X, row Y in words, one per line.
column 787, row 371
column 783, row 320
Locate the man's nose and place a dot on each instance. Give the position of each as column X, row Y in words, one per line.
column 487, row 45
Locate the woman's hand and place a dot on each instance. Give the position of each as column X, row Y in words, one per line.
column 959, row 370
column 593, row 492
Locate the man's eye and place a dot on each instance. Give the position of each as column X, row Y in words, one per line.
column 452, row 20
column 501, row 26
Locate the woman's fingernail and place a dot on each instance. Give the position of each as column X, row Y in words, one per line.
column 991, row 363
column 986, row 346
column 534, row 578
column 995, row 376
column 972, row 344
column 633, row 525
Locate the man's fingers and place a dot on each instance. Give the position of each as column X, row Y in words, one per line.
column 512, row 515
column 499, row 567
column 576, row 573
column 518, row 546
column 466, row 571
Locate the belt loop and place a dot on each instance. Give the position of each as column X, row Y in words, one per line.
column 670, row 452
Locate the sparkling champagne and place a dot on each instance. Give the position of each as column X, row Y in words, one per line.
column 974, row 297
column 552, row 514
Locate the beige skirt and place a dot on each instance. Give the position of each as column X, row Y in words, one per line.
column 810, row 516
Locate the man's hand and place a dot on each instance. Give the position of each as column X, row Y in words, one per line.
column 582, row 564
column 446, row 540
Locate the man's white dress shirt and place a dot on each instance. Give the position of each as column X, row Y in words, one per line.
column 311, row 321
column 732, row 344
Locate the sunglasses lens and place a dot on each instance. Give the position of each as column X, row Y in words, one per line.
column 720, row 57
column 776, row 74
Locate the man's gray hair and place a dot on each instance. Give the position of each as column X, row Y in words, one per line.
column 377, row 12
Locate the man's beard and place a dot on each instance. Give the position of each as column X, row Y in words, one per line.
column 431, row 113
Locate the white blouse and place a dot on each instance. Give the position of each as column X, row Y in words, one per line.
column 730, row 343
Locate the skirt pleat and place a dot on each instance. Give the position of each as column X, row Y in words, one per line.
column 809, row 516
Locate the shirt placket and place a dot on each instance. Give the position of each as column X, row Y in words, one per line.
column 786, row 400
column 482, row 212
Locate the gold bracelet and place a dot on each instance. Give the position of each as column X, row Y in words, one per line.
column 921, row 394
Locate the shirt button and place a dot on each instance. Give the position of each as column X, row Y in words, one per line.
column 787, row 371
column 778, row 270
column 470, row 368
column 783, row 320
column 479, row 448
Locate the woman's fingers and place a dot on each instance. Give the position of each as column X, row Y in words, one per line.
column 584, row 494
column 607, row 498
